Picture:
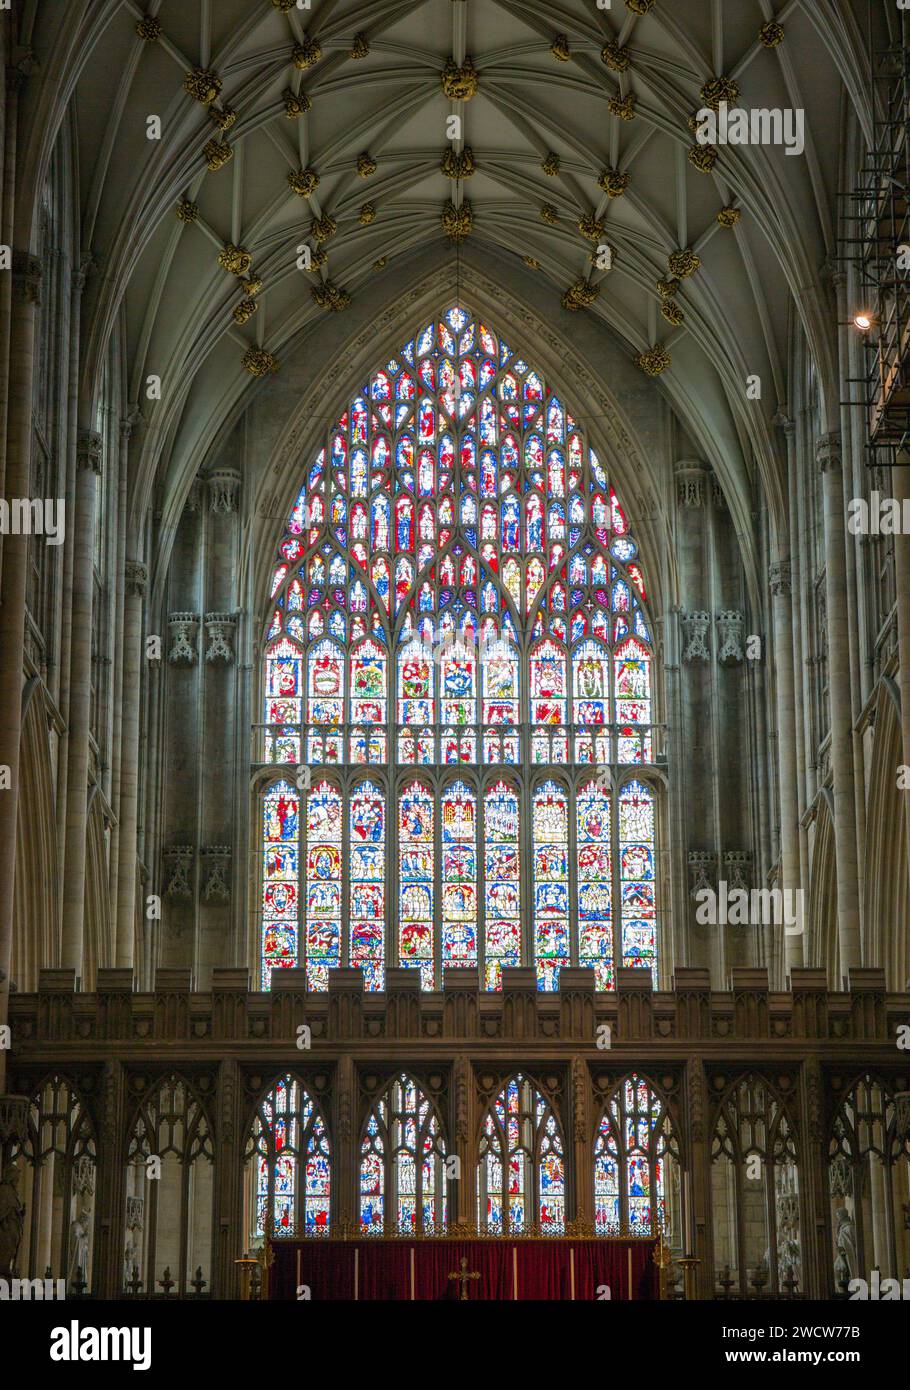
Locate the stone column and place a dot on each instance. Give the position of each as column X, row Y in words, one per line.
column 135, row 580
column 344, row 1159
column 900, row 485
column 697, row 1191
column 815, row 1241
column 583, row 1145
column 228, row 1237
column 828, row 455
column 110, row 1196
column 465, row 1204
column 89, row 449
column 781, row 588
column 26, row 296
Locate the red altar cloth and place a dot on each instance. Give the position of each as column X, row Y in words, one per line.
column 508, row 1269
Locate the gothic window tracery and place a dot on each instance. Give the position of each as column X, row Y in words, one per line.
column 869, row 1183
column 289, row 1165
column 458, row 607
column 755, row 1190
column 169, row 1183
column 521, row 1170
column 58, row 1163
column 402, row 1164
column 636, row 1164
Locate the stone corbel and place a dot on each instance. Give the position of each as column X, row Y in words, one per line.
column 217, row 862
column 730, row 651
column 220, row 628
column 701, row 870
column 690, row 484
column 224, row 489
column 738, row 869
column 183, row 638
column 179, row 859
column 695, row 629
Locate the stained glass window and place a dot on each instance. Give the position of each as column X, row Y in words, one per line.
column 635, row 1164
column 502, row 863
column 281, row 815
column 368, row 868
column 595, row 898
column 416, row 859
column 323, row 883
column 521, row 1178
column 290, row 1167
column 459, row 587
column 636, row 861
column 402, row 1164
column 459, row 876
column 551, row 882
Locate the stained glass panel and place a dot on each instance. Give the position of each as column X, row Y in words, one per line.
column 502, row 865
column 637, row 875
column 551, row 882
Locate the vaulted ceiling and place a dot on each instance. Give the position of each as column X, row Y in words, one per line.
column 331, row 120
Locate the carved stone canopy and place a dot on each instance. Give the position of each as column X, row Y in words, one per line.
column 730, row 625
column 183, row 638
column 695, row 629
column 179, row 859
column 217, row 863
column 220, row 628
column 224, row 489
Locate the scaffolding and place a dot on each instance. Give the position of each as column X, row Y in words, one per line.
column 878, row 245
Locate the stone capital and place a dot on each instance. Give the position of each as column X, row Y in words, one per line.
column 828, row 452
column 780, row 579
column 136, row 576
column 89, row 450
column 27, row 276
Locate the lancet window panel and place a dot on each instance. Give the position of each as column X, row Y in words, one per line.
column 288, row 1165
column 521, row 1170
column 475, row 870
column 403, row 1177
column 56, row 1168
column 755, row 1191
column 869, row 1183
column 637, row 1174
column 169, row 1189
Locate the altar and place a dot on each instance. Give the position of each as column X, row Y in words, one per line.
column 472, row 1270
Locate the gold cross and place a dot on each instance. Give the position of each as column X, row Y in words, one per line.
column 463, row 1275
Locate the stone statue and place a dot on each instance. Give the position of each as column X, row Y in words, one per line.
column 12, row 1219
column 80, row 1227
column 845, row 1239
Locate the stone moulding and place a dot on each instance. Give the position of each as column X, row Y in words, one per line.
column 856, row 1026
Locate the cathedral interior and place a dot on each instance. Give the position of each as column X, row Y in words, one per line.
column 455, row 632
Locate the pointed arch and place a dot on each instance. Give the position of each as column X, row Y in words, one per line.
column 289, row 1164
column 521, row 1171
column 403, row 1184
column 636, row 1163
column 887, row 873
column 35, row 902
column 458, row 586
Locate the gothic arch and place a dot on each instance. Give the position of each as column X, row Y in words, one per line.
column 403, row 1178
column 36, row 902
column 457, row 522
column 288, row 1156
column 886, row 876
column 98, row 949
column 822, row 924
